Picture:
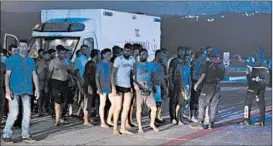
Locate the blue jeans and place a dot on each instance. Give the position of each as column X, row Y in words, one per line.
column 13, row 113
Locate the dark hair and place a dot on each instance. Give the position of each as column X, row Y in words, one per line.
column 84, row 46
column 94, row 53
column 157, row 52
column 78, row 52
column 41, row 50
column 12, row 46
column 60, row 48
column 23, row 41
column 164, row 50
column 127, row 46
column 104, row 51
column 180, row 48
column 51, row 51
column 116, row 49
column 137, row 47
column 188, row 51
column 143, row 50
column 46, row 52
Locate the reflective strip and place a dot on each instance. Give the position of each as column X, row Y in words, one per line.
column 250, row 90
column 203, row 94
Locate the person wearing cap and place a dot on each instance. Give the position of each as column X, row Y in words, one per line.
column 177, row 85
column 258, row 77
column 212, row 73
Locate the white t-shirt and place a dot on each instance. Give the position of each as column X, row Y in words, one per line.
column 124, row 68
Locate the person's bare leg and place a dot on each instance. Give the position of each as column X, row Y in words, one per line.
column 70, row 109
column 111, row 110
column 85, row 118
column 176, row 111
column 84, row 105
column 132, row 110
column 206, row 121
column 117, row 108
column 153, row 114
column 57, row 112
column 124, row 115
column 138, row 116
column 158, row 115
column 101, row 110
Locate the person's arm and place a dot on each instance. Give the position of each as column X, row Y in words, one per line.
column 7, row 85
column 171, row 72
column 35, row 79
column 98, row 72
column 202, row 77
column 49, row 74
column 116, row 64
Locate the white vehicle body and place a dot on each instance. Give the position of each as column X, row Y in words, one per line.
column 97, row 28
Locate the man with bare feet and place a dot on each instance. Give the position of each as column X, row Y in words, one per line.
column 145, row 87
column 103, row 78
column 121, row 87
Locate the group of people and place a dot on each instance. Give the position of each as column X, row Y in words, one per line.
column 113, row 82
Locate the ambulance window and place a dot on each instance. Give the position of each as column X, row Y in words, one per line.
column 89, row 42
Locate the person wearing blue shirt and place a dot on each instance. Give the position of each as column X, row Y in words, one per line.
column 103, row 78
column 19, row 75
column 144, row 86
column 81, row 61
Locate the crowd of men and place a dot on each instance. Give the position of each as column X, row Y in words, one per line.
column 111, row 83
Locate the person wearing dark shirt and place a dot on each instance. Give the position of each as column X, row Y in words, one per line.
column 2, row 86
column 177, row 86
column 90, row 86
column 212, row 74
column 258, row 78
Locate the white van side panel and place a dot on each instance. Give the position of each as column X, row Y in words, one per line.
column 121, row 28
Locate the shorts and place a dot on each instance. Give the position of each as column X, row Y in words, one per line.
column 59, row 90
column 149, row 100
column 122, row 89
column 70, row 95
column 158, row 94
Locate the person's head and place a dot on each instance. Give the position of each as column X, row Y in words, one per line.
column 46, row 55
column 159, row 55
column 23, row 47
column 181, row 51
column 61, row 52
column 204, row 49
column 143, row 55
column 52, row 53
column 188, row 51
column 69, row 53
column 95, row 55
column 78, row 53
column 41, row 53
column 106, row 54
column 136, row 49
column 127, row 50
column 13, row 50
column 164, row 55
column 116, row 51
column 84, row 50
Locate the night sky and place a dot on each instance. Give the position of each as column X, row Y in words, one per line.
column 156, row 8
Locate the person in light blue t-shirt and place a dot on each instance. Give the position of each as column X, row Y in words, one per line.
column 82, row 59
column 103, row 81
column 145, row 87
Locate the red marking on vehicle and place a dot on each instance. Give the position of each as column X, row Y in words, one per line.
column 186, row 138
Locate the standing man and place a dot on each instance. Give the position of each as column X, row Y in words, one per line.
column 52, row 53
column 42, row 69
column 89, row 86
column 160, row 84
column 20, row 73
column 58, row 72
column 2, row 88
column 82, row 59
column 121, row 76
column 177, row 86
column 103, row 78
column 145, row 86
column 258, row 78
column 212, row 74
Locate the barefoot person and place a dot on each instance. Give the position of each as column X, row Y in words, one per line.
column 58, row 72
column 103, row 78
column 144, row 85
column 121, row 87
